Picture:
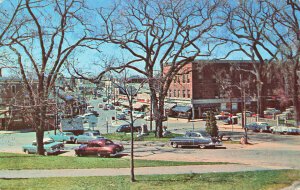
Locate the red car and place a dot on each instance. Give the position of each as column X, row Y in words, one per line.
column 100, row 147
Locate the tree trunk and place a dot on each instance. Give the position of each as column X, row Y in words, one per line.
column 260, row 87
column 132, row 177
column 296, row 102
column 41, row 117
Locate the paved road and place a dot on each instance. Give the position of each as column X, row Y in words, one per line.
column 126, row 171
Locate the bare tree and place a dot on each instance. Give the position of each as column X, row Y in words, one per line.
column 44, row 35
column 130, row 91
column 246, row 28
column 157, row 34
column 285, row 36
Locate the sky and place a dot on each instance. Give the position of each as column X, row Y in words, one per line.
column 88, row 57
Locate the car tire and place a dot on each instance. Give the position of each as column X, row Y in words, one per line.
column 26, row 151
column 46, row 153
column 202, row 146
column 76, row 141
column 78, row 154
column 261, row 130
column 100, row 155
column 174, row 145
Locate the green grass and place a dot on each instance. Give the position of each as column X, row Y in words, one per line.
column 150, row 137
column 12, row 161
column 262, row 180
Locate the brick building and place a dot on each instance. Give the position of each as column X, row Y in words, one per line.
column 203, row 85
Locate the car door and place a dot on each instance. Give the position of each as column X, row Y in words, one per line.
column 191, row 140
column 91, row 149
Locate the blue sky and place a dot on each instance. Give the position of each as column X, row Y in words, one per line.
column 88, row 57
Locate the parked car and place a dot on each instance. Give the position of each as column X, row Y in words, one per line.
column 87, row 136
column 94, row 113
column 199, row 139
column 50, row 147
column 126, row 128
column 285, row 130
column 126, row 111
column 222, row 116
column 247, row 113
column 271, row 111
column 118, row 108
column 104, row 99
column 231, row 120
column 138, row 114
column 110, row 106
column 121, row 116
column 100, row 147
column 100, row 105
column 63, row 137
column 258, row 126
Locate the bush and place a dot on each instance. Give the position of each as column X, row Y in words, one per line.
column 211, row 124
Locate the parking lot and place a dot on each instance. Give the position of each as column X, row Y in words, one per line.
column 265, row 149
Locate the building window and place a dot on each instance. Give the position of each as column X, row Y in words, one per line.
column 183, row 78
column 187, row 78
column 183, row 93
column 178, row 79
column 188, row 93
column 13, row 89
column 174, row 93
column 170, row 93
column 178, row 93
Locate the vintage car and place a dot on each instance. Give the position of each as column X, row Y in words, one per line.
column 138, row 114
column 258, row 126
column 126, row 128
column 285, row 130
column 222, row 116
column 100, row 147
column 50, row 147
column 87, row 136
column 63, row 137
column 121, row 116
column 199, row 139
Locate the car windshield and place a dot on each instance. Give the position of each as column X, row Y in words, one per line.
column 205, row 134
column 108, row 142
column 96, row 133
column 69, row 134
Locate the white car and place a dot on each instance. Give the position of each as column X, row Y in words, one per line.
column 138, row 114
column 271, row 111
column 285, row 130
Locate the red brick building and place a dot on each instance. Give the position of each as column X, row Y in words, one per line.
column 203, row 85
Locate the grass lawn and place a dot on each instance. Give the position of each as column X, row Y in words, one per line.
column 150, row 137
column 12, row 161
column 262, row 180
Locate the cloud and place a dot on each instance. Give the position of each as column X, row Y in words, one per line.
column 1, row 1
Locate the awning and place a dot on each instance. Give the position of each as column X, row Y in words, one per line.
column 169, row 105
column 181, row 109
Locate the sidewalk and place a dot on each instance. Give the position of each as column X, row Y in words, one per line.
column 7, row 174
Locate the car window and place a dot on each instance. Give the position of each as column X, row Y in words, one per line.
column 205, row 134
column 108, row 142
column 96, row 133
column 194, row 135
